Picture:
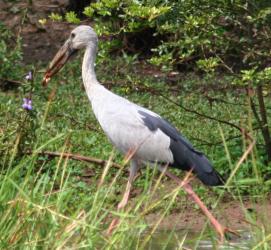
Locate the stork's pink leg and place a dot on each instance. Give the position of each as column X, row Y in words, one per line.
column 133, row 170
column 220, row 229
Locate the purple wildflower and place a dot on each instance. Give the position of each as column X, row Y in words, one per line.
column 27, row 105
column 29, row 76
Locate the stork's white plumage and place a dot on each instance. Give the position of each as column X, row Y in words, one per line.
column 132, row 128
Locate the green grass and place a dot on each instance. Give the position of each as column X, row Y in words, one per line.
column 46, row 202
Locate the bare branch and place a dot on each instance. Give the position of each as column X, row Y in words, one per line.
column 77, row 157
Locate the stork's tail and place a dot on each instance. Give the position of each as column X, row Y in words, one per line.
column 205, row 171
column 187, row 158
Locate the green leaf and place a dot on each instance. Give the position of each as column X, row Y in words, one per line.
column 55, row 17
column 89, row 11
column 71, row 17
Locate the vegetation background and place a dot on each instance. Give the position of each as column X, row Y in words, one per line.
column 203, row 65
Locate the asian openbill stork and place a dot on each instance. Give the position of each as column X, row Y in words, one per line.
column 132, row 128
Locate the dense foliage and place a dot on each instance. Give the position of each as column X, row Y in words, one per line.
column 231, row 34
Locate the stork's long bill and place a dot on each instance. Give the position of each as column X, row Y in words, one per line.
column 61, row 57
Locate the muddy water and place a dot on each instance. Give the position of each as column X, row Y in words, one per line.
column 171, row 241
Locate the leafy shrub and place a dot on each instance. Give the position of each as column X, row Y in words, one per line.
column 237, row 33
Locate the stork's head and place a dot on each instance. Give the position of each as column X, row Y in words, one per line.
column 81, row 37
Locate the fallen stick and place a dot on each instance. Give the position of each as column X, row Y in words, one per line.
column 11, row 81
column 77, row 157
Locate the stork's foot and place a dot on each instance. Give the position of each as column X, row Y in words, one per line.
column 115, row 221
column 220, row 231
column 228, row 232
column 224, row 232
column 112, row 226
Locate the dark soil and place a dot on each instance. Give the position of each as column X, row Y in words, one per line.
column 39, row 41
column 231, row 214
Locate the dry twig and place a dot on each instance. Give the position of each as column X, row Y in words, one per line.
column 77, row 157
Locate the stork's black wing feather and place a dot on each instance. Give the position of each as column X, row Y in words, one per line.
column 185, row 156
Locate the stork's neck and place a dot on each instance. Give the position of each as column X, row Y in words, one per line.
column 88, row 72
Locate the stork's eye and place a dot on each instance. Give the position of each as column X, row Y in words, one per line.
column 72, row 35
